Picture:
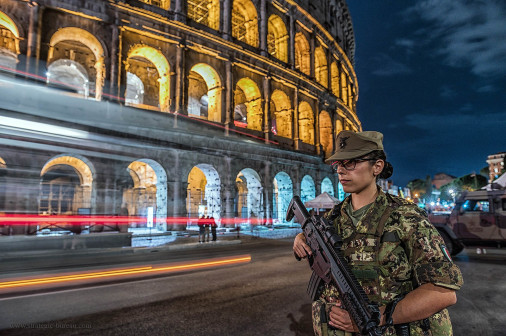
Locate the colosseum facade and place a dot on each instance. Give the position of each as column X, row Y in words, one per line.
column 223, row 107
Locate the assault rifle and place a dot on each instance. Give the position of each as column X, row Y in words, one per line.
column 329, row 265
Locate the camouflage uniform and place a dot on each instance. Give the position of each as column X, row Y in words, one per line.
column 392, row 249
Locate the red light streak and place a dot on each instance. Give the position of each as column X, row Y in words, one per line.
column 9, row 219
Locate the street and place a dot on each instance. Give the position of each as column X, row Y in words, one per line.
column 264, row 297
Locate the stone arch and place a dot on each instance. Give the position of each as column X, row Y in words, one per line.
column 165, row 4
column 306, row 123
column 203, row 192
column 245, row 22
column 277, row 38
column 344, row 87
column 321, row 68
column 71, row 74
column 249, row 194
column 307, row 189
column 327, row 186
column 302, row 54
column 334, row 78
column 135, row 90
column 206, row 12
column 149, row 190
column 9, row 43
column 326, row 136
column 281, row 114
column 248, row 105
column 204, row 93
column 60, row 192
column 80, row 39
column 282, row 195
column 156, row 81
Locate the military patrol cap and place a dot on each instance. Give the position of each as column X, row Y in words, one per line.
column 351, row 145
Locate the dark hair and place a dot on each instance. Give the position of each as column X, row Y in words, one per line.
column 388, row 169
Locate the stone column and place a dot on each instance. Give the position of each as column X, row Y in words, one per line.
column 296, row 118
column 268, row 190
column 33, row 39
column 180, row 11
column 180, row 79
column 229, row 96
column 291, row 43
column 319, row 150
column 312, row 43
column 263, row 27
column 267, row 107
column 227, row 19
column 115, row 59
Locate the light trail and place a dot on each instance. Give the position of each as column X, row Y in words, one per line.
column 10, row 219
column 124, row 272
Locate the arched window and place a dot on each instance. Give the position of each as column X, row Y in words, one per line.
column 334, row 77
column 277, row 38
column 159, row 3
column 204, row 93
column 320, row 69
column 152, row 68
column 245, row 22
column 248, row 105
column 306, row 123
column 326, row 138
column 9, row 42
column 302, row 54
column 282, row 114
column 206, row 12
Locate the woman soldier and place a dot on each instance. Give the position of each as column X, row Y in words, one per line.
column 395, row 253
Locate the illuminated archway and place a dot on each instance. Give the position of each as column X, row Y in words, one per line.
column 282, row 195
column 277, row 38
column 320, row 68
column 245, row 22
column 159, row 3
column 327, row 186
column 334, row 75
column 326, row 136
column 344, row 87
column 340, row 192
column 281, row 111
column 67, row 186
column 249, row 194
column 156, row 80
column 302, row 54
column 307, row 189
column 77, row 43
column 9, row 42
column 204, row 93
column 248, row 105
column 149, row 191
column 2, row 163
column 206, row 12
column 306, row 123
column 69, row 73
column 203, row 192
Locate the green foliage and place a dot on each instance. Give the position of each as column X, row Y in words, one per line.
column 468, row 182
column 418, row 186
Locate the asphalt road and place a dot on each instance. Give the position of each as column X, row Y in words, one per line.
column 263, row 297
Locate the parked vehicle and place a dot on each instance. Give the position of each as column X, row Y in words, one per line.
column 478, row 219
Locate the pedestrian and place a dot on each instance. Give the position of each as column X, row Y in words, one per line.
column 207, row 224
column 213, row 228
column 200, row 223
column 396, row 254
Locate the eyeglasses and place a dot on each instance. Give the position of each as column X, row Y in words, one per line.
column 348, row 164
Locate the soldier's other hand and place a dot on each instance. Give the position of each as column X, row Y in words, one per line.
column 300, row 248
column 340, row 318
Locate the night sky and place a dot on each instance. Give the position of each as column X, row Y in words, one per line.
column 432, row 79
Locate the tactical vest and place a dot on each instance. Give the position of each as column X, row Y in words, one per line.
column 361, row 249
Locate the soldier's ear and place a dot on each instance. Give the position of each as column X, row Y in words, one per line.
column 378, row 167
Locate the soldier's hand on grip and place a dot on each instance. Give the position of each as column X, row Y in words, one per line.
column 300, row 248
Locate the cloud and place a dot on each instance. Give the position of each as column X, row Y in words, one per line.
column 472, row 33
column 387, row 66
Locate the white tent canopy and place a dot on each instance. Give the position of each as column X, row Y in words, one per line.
column 499, row 183
column 322, row 201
